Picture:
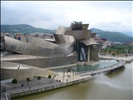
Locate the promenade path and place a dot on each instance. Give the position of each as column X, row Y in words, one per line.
column 59, row 79
column 125, row 58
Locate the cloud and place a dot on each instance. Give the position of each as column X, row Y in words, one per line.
column 113, row 16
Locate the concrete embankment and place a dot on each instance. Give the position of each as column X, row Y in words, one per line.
column 127, row 59
column 42, row 88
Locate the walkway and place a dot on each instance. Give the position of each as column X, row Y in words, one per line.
column 59, row 80
column 109, row 57
column 105, row 69
column 44, row 84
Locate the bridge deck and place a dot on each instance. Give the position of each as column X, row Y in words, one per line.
column 105, row 69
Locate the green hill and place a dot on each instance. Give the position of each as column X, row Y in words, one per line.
column 24, row 28
column 113, row 36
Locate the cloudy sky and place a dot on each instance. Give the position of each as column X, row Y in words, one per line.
column 111, row 16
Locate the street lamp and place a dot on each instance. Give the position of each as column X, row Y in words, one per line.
column 63, row 74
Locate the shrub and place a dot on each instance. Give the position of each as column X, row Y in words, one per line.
column 49, row 76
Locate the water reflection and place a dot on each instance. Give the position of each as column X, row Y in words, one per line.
column 116, row 84
column 115, row 72
column 87, row 68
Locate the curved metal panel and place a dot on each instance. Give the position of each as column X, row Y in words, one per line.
column 40, row 42
column 79, row 34
column 93, row 35
column 89, row 42
column 85, row 26
column 25, row 48
column 60, row 39
column 62, row 30
column 44, row 62
column 33, row 49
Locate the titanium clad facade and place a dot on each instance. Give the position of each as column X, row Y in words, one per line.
column 40, row 42
column 72, row 44
column 46, row 62
column 62, row 39
column 62, row 30
column 25, row 48
column 33, row 49
column 79, row 34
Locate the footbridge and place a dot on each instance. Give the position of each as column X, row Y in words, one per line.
column 121, row 63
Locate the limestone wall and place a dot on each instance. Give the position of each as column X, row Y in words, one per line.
column 19, row 74
column 94, row 53
column 20, row 71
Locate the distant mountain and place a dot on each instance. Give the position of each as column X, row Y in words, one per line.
column 113, row 36
column 24, row 28
column 96, row 30
column 129, row 33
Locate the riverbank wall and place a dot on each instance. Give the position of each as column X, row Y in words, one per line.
column 37, row 89
column 127, row 59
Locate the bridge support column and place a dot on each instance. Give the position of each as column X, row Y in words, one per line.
column 88, row 56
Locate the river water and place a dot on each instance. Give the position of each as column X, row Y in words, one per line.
column 115, row 85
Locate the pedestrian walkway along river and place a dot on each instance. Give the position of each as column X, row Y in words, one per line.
column 60, row 80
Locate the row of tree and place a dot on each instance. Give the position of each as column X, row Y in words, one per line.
column 118, row 50
column 15, row 81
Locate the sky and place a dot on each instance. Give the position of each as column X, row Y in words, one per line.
column 105, row 15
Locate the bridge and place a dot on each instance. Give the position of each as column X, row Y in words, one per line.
column 105, row 69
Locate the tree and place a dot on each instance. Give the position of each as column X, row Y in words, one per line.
column 27, row 80
column 109, row 50
column 14, row 81
column 49, row 76
column 39, row 78
column 113, row 54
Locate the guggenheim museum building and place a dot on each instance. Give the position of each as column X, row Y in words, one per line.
column 71, row 46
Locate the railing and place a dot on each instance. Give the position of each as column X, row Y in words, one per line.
column 105, row 69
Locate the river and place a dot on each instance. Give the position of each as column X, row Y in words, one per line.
column 115, row 85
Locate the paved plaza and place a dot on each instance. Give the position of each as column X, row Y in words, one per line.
column 59, row 78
